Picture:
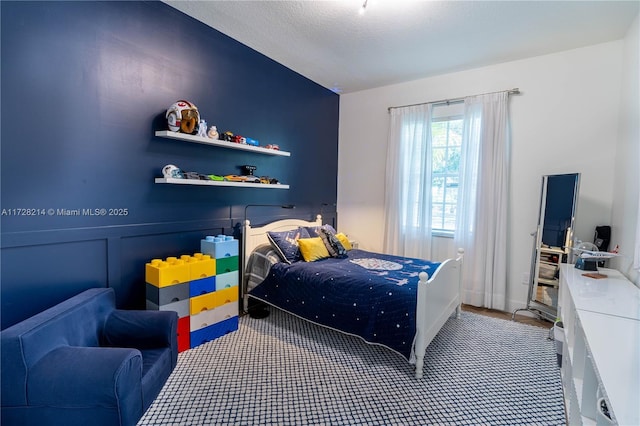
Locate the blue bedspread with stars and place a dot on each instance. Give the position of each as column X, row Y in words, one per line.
column 367, row 294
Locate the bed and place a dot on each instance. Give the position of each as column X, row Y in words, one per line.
column 400, row 303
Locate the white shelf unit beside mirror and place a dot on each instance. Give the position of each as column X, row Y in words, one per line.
column 601, row 352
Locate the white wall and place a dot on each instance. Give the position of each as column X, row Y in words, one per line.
column 565, row 121
column 627, row 162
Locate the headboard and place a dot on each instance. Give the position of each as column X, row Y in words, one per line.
column 254, row 237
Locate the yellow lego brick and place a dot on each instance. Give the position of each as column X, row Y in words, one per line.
column 213, row 300
column 201, row 266
column 163, row 273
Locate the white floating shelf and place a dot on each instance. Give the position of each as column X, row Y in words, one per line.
column 174, row 181
column 218, row 143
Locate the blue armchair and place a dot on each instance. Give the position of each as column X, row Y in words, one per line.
column 83, row 362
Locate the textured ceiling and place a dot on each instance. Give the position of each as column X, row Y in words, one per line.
column 331, row 43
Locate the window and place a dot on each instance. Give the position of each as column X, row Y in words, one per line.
column 446, row 136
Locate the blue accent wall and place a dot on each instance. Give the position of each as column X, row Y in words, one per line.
column 84, row 87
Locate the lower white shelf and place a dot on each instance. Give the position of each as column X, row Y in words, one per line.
column 174, row 181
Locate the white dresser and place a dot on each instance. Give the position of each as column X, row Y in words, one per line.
column 601, row 353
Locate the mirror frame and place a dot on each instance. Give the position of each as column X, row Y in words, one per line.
column 533, row 305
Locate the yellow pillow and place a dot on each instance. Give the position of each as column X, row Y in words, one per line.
column 344, row 240
column 312, row 249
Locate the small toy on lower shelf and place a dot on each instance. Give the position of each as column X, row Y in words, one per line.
column 269, row 181
column 242, row 178
column 193, row 175
column 248, row 170
column 171, row 171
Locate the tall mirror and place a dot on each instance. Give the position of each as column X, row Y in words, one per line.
column 552, row 242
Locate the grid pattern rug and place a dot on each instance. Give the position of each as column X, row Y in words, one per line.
column 281, row 370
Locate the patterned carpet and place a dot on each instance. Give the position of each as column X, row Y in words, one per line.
column 284, row 371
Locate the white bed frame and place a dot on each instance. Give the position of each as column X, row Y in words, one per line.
column 438, row 297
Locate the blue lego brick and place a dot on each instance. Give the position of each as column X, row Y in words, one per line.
column 220, row 247
column 202, row 286
column 214, row 331
column 229, row 279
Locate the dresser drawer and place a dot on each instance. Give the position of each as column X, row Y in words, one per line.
column 212, row 332
column 226, row 264
column 214, row 316
column 213, row 300
column 184, row 333
column 181, row 307
column 201, row 266
column 202, row 286
column 230, row 279
column 165, row 295
column 162, row 273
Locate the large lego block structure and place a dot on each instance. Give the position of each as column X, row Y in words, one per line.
column 202, row 288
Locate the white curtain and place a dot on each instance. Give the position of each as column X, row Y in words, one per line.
column 408, row 183
column 481, row 222
column 636, row 254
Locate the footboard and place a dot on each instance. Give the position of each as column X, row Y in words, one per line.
column 437, row 299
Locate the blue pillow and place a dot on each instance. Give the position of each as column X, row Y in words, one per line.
column 286, row 243
column 331, row 242
column 314, row 231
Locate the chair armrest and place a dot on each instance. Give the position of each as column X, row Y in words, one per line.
column 71, row 376
column 141, row 329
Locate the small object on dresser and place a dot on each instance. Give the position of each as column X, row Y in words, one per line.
column 587, row 264
column 595, row 275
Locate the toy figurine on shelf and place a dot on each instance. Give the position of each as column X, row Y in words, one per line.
column 240, row 139
column 183, row 116
column 273, row 146
column 253, row 142
column 171, row 171
column 213, row 132
column 268, row 181
column 227, row 136
column 248, row 170
column 202, row 129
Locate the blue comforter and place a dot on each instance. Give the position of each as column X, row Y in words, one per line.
column 366, row 294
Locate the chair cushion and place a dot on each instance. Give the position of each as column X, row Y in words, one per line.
column 156, row 368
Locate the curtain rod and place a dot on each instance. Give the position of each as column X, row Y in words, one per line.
column 514, row 91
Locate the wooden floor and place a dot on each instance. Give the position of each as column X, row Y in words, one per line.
column 525, row 319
